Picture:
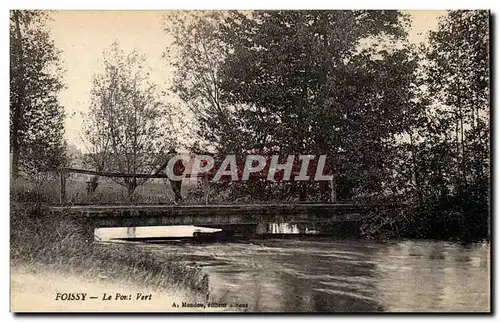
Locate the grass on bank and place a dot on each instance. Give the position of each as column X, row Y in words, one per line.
column 58, row 242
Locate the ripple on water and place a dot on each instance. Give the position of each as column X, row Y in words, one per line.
column 352, row 275
column 356, row 296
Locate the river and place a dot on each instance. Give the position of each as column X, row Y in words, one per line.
column 348, row 275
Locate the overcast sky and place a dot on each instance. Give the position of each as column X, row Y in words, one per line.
column 84, row 35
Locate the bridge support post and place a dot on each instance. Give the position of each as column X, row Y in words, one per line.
column 261, row 228
column 62, row 195
column 333, row 196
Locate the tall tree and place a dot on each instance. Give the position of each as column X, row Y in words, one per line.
column 128, row 127
column 458, row 72
column 455, row 157
column 36, row 117
column 335, row 82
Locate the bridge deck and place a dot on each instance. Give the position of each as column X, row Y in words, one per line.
column 214, row 215
column 96, row 210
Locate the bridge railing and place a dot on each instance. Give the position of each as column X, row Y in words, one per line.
column 63, row 173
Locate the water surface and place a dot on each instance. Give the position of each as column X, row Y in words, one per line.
column 351, row 275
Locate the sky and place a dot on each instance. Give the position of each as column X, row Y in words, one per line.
column 82, row 36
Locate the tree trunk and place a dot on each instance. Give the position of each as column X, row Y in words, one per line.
column 17, row 106
column 132, row 184
column 415, row 170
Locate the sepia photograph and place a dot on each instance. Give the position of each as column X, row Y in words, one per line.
column 242, row 161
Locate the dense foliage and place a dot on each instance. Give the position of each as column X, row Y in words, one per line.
column 401, row 124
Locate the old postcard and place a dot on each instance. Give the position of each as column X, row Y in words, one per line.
column 250, row 161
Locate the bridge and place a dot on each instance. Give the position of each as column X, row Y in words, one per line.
column 250, row 218
column 247, row 218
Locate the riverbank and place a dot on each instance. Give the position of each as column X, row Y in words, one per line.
column 57, row 244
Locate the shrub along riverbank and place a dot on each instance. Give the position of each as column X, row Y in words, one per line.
column 444, row 220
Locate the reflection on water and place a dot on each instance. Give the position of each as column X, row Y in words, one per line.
column 106, row 234
column 286, row 228
column 337, row 276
